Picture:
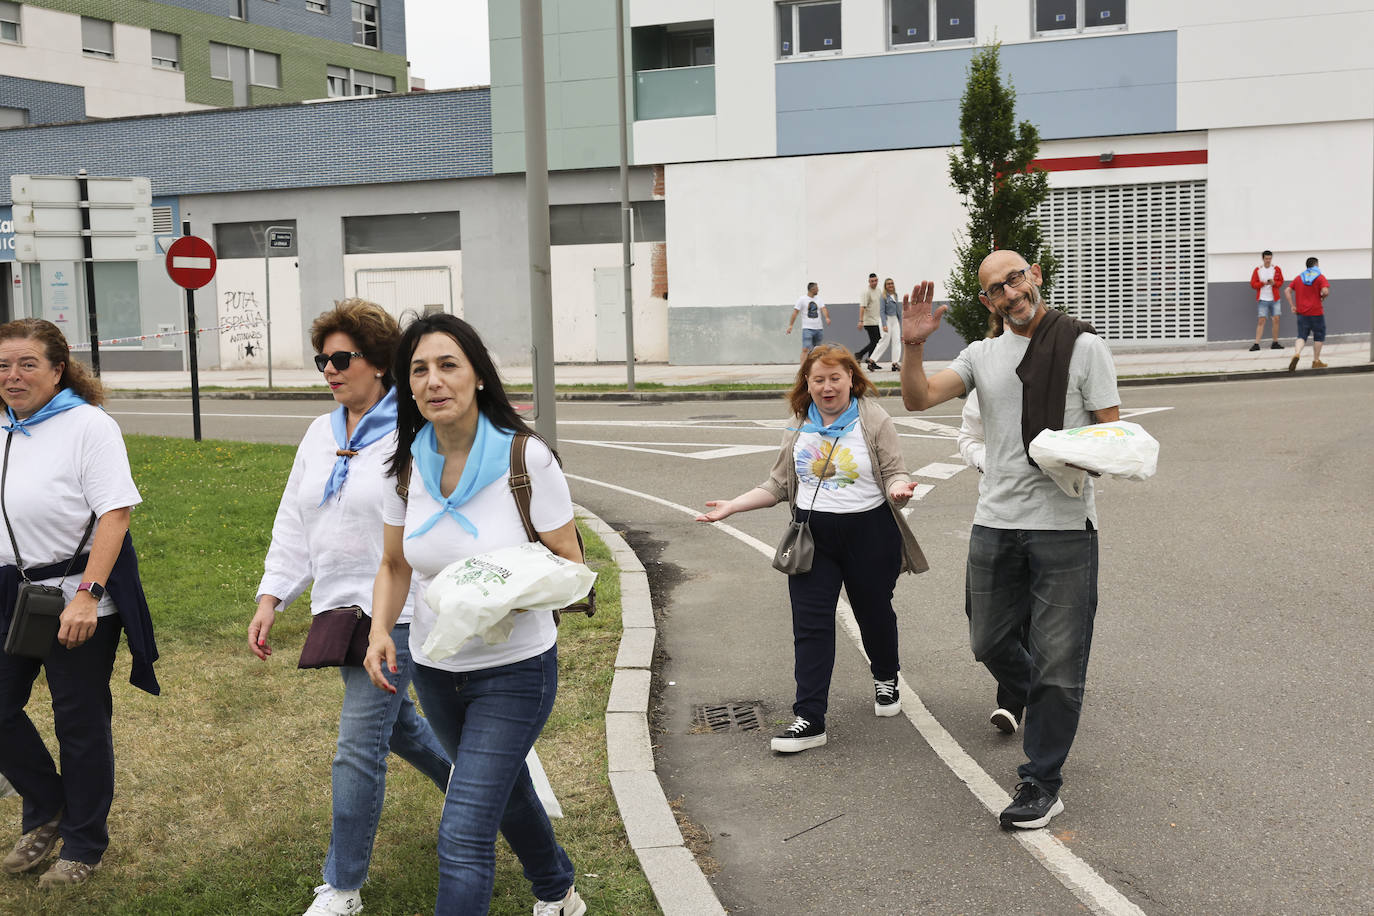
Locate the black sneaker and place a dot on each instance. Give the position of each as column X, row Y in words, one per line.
column 799, row 736
column 896, row 367
column 1004, row 720
column 1254, row 347
column 886, row 699
column 1031, row 807
column 1276, row 346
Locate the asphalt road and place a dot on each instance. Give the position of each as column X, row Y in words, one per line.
column 1225, row 756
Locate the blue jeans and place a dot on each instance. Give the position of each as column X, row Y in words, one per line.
column 1045, row 584
column 372, row 724
column 1314, row 325
column 487, row 721
column 812, row 337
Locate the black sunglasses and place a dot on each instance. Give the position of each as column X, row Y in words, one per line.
column 340, row 359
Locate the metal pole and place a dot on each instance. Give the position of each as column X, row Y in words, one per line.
column 88, row 269
column 625, row 195
column 1371, row 274
column 193, row 347
column 537, row 218
column 267, row 279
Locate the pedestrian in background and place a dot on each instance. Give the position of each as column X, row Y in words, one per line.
column 891, row 326
column 841, row 467
column 1033, row 551
column 1267, row 280
column 66, row 485
column 1307, row 297
column 870, row 320
column 815, row 317
column 328, row 533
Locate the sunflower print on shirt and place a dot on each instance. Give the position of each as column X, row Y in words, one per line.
column 842, row 471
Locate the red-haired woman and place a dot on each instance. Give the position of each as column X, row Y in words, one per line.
column 841, row 468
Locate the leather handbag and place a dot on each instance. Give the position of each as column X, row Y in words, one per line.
column 37, row 608
column 337, row 639
column 797, row 549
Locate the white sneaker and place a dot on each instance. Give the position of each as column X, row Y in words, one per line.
column 570, row 905
column 330, row 901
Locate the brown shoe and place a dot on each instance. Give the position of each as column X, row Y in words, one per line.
column 1292, row 364
column 66, row 873
column 32, row 848
column 1318, row 364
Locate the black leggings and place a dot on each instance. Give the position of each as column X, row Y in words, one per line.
column 874, row 335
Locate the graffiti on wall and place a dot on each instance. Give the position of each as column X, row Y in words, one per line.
column 243, row 323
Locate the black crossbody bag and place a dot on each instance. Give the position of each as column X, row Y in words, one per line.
column 37, row 608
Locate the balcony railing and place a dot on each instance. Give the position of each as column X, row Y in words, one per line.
column 681, row 92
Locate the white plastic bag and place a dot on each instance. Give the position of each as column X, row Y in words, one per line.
column 1119, row 449
column 476, row 596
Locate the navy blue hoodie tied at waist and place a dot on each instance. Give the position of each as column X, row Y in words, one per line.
column 124, row 587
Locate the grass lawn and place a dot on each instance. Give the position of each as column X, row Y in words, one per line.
column 222, row 791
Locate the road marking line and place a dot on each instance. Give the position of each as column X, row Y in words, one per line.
column 249, row 416
column 1080, row 878
column 940, row 471
column 708, row 450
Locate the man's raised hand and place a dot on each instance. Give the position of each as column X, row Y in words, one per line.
column 919, row 319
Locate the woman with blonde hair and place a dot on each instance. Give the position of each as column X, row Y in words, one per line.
column 840, row 467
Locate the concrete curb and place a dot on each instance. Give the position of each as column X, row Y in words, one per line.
column 677, row 881
column 670, row 395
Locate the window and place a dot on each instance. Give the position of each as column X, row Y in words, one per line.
column 9, row 21
column 13, row 117
column 400, row 232
column 317, row 6
column 809, row 28
column 1060, row 17
column 97, row 37
column 344, row 82
column 249, row 240
column 166, row 50
column 365, row 23
column 264, row 69
column 238, row 9
column 923, row 22
column 691, row 49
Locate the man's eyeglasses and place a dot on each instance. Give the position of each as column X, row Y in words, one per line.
column 340, row 359
column 995, row 291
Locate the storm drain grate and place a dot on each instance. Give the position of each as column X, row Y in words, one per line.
column 742, row 717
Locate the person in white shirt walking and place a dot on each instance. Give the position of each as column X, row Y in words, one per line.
column 328, row 531
column 815, row 317
column 1267, row 280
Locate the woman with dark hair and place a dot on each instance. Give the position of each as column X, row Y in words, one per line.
column 328, row 532
column 65, row 484
column 487, row 704
column 841, row 469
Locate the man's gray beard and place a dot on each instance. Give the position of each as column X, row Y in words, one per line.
column 1033, row 297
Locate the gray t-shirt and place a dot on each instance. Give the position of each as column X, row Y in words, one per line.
column 1012, row 493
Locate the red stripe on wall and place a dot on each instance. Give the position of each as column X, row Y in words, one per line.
column 1122, row 161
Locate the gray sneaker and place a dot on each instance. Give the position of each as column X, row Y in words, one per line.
column 32, row 848
column 570, row 905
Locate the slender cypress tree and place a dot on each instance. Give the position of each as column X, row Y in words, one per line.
column 991, row 171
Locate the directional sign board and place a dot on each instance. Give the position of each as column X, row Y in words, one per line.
column 279, row 238
column 49, row 224
column 191, row 262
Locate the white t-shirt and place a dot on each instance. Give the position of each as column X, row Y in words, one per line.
column 73, row 464
column 850, row 484
column 810, row 308
column 493, row 511
column 1266, row 293
column 1012, row 493
column 338, row 545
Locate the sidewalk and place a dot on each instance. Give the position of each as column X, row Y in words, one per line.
column 1231, row 359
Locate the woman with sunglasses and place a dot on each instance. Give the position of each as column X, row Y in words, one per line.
column 328, row 531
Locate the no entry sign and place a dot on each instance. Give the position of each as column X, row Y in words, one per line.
column 191, row 262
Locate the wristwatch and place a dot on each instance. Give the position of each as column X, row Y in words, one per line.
column 95, row 588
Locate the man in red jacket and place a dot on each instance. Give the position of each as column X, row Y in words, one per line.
column 1310, row 288
column 1267, row 279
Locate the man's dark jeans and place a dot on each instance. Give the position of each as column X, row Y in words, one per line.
column 1047, row 580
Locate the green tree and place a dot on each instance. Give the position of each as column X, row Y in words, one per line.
column 991, row 171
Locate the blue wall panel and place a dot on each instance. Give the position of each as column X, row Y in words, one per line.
column 46, row 103
column 1084, row 87
column 292, row 16
column 408, row 137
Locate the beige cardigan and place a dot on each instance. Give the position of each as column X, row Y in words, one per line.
column 884, row 450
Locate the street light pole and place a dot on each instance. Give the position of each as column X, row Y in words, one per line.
column 537, row 219
column 626, row 256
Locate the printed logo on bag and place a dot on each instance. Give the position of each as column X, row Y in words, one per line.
column 1090, row 432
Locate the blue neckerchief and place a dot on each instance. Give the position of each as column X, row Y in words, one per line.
column 814, row 424
column 488, row 459
column 1310, row 275
column 64, row 400
column 379, row 420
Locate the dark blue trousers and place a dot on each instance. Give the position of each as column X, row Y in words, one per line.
column 79, row 681
column 861, row 551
